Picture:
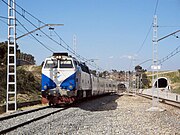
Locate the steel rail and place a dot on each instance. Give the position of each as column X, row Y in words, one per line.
column 21, row 113
column 162, row 100
column 30, row 121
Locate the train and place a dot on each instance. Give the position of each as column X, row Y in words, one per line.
column 65, row 79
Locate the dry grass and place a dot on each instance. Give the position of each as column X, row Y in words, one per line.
column 173, row 78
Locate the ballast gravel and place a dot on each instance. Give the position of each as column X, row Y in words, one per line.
column 109, row 115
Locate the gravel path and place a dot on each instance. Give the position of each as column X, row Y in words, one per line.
column 110, row 115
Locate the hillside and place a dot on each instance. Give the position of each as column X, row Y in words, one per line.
column 28, row 77
column 28, row 83
column 173, row 77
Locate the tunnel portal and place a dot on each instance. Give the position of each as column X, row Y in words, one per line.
column 162, row 82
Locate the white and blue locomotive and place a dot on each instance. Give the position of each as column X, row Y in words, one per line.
column 65, row 79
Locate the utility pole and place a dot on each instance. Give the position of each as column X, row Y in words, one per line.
column 155, row 67
column 11, row 97
column 133, row 76
column 155, row 64
column 11, row 59
column 128, row 81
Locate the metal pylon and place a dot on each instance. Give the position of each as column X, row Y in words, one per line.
column 155, row 67
column 11, row 59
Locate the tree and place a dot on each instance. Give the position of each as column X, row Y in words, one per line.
column 138, row 68
column 3, row 54
column 103, row 74
column 141, row 76
column 93, row 72
column 26, row 82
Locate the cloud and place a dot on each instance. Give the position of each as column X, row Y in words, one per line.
column 110, row 57
column 126, row 56
column 130, row 57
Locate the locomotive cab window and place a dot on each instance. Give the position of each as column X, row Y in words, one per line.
column 65, row 64
column 51, row 64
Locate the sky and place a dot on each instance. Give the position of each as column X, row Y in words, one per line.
column 112, row 32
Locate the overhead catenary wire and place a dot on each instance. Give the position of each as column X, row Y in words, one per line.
column 155, row 10
column 170, row 55
column 34, row 25
column 168, row 26
column 48, row 48
column 7, row 24
column 27, row 31
column 3, row 17
column 3, row 21
column 173, row 53
column 25, row 11
column 144, row 41
column 68, row 49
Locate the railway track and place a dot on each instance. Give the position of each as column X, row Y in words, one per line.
column 19, row 119
column 19, row 105
column 14, row 121
column 162, row 99
column 15, row 114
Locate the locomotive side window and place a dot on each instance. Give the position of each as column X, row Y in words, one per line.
column 75, row 63
column 66, row 64
column 51, row 64
column 84, row 68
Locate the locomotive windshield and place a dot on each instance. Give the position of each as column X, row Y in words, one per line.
column 58, row 63
column 51, row 64
column 65, row 64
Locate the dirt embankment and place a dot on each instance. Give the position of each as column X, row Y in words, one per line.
column 28, row 83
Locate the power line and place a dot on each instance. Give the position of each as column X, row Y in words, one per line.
column 3, row 17
column 7, row 24
column 170, row 55
column 145, row 39
column 35, row 37
column 169, row 26
column 36, row 26
column 174, row 52
column 27, row 31
column 25, row 11
column 140, row 48
column 155, row 10
column 68, row 49
column 168, row 35
column 145, row 61
column 3, row 21
column 95, row 65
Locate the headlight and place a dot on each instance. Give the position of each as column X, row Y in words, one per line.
column 70, row 86
column 45, row 87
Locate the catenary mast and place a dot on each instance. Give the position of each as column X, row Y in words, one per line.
column 11, row 59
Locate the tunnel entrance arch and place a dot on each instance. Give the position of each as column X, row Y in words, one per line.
column 162, row 83
column 121, row 86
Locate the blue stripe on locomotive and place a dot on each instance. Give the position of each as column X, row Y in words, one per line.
column 46, row 81
column 69, row 83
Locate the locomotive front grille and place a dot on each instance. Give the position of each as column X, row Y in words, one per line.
column 62, row 92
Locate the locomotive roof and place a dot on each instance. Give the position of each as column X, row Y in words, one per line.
column 60, row 54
